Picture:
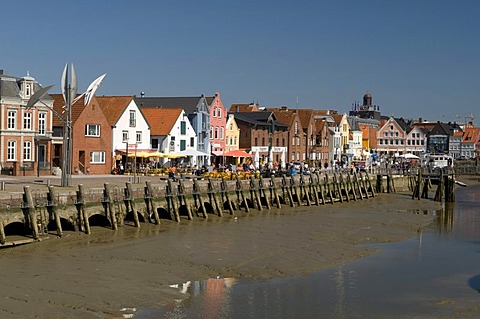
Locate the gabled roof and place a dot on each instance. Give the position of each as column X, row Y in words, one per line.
column 337, row 118
column 189, row 104
column 285, row 116
column 320, row 125
column 113, row 107
column 252, row 107
column 58, row 103
column 305, row 115
column 258, row 118
column 161, row 120
column 471, row 134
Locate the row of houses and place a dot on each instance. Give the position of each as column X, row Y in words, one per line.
column 110, row 129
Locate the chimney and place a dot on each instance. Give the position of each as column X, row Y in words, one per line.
column 420, row 120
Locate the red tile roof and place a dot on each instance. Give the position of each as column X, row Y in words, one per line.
column 113, row 106
column 161, row 120
column 58, row 103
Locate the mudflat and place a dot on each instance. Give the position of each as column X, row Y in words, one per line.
column 96, row 275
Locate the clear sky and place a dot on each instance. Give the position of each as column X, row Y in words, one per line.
column 418, row 58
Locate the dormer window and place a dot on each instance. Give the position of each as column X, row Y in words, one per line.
column 27, row 90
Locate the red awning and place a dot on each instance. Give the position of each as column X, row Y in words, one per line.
column 238, row 153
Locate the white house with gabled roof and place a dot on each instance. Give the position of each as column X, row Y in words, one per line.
column 130, row 129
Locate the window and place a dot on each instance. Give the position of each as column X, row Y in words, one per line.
column 234, row 140
column 125, row 136
column 192, row 142
column 216, row 133
column 139, row 137
column 42, row 117
column 219, row 112
column 133, row 121
column 154, row 143
column 263, row 141
column 256, row 141
column 296, row 128
column 183, row 145
column 27, row 151
column 27, row 121
column 183, row 127
column 11, row 145
column 293, row 140
column 97, row 157
column 211, row 131
column 221, row 133
column 11, row 119
column 278, row 142
column 92, row 130
column 27, row 90
column 231, row 127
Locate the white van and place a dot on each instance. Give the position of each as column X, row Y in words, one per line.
column 438, row 160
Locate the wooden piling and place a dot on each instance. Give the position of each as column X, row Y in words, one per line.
column 370, row 186
column 171, row 203
column 52, row 209
column 30, row 206
column 273, row 192
column 303, row 191
column 254, row 194
column 262, row 193
column 150, row 203
column 109, row 206
column 287, row 193
column 225, row 197
column 240, row 195
column 336, row 187
column 197, row 200
column 356, row 185
column 329, row 189
column 3, row 238
column 313, row 189
column 80, row 204
column 182, row 199
column 131, row 203
column 212, row 196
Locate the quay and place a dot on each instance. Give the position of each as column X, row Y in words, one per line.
column 33, row 208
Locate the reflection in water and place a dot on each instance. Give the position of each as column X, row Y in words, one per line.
column 215, row 298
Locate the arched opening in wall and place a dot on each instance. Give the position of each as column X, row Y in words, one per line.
column 248, row 202
column 280, row 199
column 183, row 211
column 99, row 220
column 225, row 205
column 163, row 213
column 17, row 228
column 64, row 223
column 208, row 208
column 129, row 217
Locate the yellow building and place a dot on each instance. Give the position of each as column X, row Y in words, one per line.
column 232, row 134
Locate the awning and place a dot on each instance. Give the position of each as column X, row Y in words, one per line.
column 192, row 152
column 217, row 153
column 238, row 153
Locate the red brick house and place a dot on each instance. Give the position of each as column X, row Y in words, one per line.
column 92, row 137
column 263, row 135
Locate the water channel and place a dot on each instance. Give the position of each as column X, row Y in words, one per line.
column 434, row 275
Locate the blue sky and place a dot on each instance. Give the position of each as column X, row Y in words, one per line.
column 418, row 58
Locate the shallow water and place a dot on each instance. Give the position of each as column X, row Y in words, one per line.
column 434, row 275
